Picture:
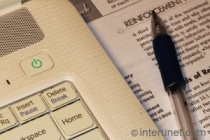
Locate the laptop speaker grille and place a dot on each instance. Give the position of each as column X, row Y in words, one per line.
column 18, row 30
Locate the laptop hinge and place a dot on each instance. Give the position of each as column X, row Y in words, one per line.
column 7, row 6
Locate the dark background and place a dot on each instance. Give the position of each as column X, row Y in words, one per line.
column 89, row 16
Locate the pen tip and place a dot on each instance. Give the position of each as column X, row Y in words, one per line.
column 157, row 25
column 154, row 15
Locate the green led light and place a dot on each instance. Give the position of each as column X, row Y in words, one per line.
column 36, row 63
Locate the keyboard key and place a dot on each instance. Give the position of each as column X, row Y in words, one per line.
column 29, row 108
column 92, row 135
column 59, row 95
column 73, row 119
column 39, row 129
column 7, row 120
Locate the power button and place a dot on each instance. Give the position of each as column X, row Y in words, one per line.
column 36, row 64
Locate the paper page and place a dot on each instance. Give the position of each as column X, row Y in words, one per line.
column 109, row 6
column 125, row 34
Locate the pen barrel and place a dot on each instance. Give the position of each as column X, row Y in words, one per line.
column 183, row 114
column 166, row 56
column 173, row 81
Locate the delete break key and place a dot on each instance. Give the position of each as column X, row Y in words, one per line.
column 59, row 95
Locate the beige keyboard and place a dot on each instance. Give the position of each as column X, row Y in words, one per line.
column 56, row 113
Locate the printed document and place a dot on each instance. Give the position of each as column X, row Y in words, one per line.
column 123, row 27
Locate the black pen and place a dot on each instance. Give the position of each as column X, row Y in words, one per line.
column 173, row 80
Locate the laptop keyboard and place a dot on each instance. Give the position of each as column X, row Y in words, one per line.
column 56, row 113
